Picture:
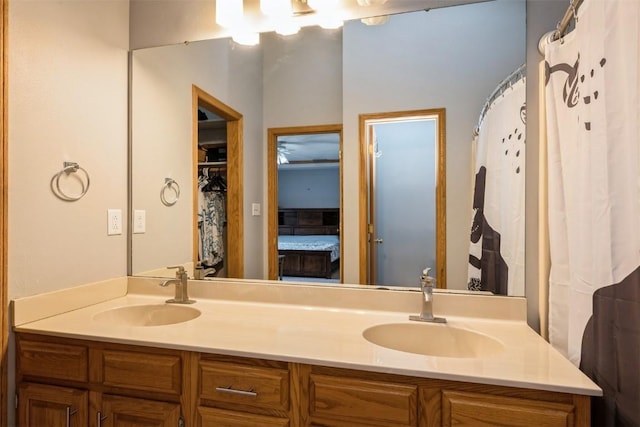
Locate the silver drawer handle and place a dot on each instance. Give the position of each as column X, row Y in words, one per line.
column 230, row 390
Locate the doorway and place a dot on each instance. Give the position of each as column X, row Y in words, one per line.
column 403, row 186
column 227, row 165
column 304, row 203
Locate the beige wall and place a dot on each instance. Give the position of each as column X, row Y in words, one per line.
column 67, row 102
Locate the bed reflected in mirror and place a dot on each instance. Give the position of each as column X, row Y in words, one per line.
column 305, row 204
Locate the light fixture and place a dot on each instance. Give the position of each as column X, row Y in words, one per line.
column 371, row 2
column 328, row 13
column 287, row 27
column 276, row 8
column 282, row 159
column 375, row 20
column 245, row 37
column 229, row 13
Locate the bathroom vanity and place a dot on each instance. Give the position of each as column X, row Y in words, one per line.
column 248, row 354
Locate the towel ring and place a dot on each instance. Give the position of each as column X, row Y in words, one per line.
column 169, row 184
column 69, row 168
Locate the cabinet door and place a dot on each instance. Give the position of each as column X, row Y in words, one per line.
column 43, row 406
column 118, row 411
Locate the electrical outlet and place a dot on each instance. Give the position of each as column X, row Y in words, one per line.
column 139, row 221
column 255, row 209
column 114, row 222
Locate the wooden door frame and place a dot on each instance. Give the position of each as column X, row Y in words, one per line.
column 234, row 257
column 272, row 189
column 4, row 227
column 441, row 246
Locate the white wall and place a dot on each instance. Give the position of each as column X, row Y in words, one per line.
column 67, row 102
column 162, row 82
column 452, row 58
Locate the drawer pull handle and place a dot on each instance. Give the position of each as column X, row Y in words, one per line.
column 230, row 390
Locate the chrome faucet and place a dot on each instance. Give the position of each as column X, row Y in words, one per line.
column 180, row 281
column 426, row 286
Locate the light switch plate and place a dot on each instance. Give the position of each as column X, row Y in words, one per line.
column 114, row 222
column 139, row 221
column 255, row 209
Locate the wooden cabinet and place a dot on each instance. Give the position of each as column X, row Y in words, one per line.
column 343, row 397
column 66, row 382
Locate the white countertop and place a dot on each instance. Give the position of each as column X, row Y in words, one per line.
column 253, row 320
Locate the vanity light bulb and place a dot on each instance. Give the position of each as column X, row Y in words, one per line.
column 246, row 38
column 276, row 8
column 287, row 28
column 229, row 12
column 330, row 22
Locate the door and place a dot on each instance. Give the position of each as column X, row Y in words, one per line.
column 45, row 405
column 403, row 179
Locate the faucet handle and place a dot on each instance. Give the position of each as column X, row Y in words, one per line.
column 181, row 271
column 425, row 279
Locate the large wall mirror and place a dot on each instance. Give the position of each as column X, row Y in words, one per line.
column 450, row 58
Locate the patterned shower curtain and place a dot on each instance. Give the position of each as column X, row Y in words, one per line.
column 593, row 131
column 496, row 251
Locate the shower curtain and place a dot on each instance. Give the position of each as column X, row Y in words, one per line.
column 593, row 131
column 496, row 251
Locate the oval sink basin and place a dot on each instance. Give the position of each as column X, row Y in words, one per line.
column 433, row 340
column 148, row 315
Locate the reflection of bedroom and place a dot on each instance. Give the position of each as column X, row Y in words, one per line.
column 309, row 208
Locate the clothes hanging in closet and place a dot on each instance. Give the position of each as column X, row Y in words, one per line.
column 211, row 219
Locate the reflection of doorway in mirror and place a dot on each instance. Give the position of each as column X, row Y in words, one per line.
column 405, row 197
column 218, row 247
column 305, row 204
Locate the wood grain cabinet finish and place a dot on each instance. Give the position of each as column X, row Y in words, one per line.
column 120, row 411
column 67, row 382
column 336, row 400
column 244, row 392
column 46, row 405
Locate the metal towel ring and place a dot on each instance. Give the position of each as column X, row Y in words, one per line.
column 69, row 168
column 169, row 183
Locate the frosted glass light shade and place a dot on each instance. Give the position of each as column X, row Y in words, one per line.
column 229, row 12
column 246, row 38
column 276, row 8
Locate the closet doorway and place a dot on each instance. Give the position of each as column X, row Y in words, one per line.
column 402, row 197
column 305, row 203
column 220, row 161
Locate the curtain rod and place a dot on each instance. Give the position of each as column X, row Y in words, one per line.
column 571, row 13
column 515, row 76
column 561, row 28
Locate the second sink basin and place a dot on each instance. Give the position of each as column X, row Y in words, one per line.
column 433, row 340
column 148, row 315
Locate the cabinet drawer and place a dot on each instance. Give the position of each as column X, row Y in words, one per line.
column 210, row 417
column 475, row 409
column 141, row 371
column 362, row 401
column 53, row 360
column 261, row 387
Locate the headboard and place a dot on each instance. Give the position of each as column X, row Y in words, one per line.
column 309, row 221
